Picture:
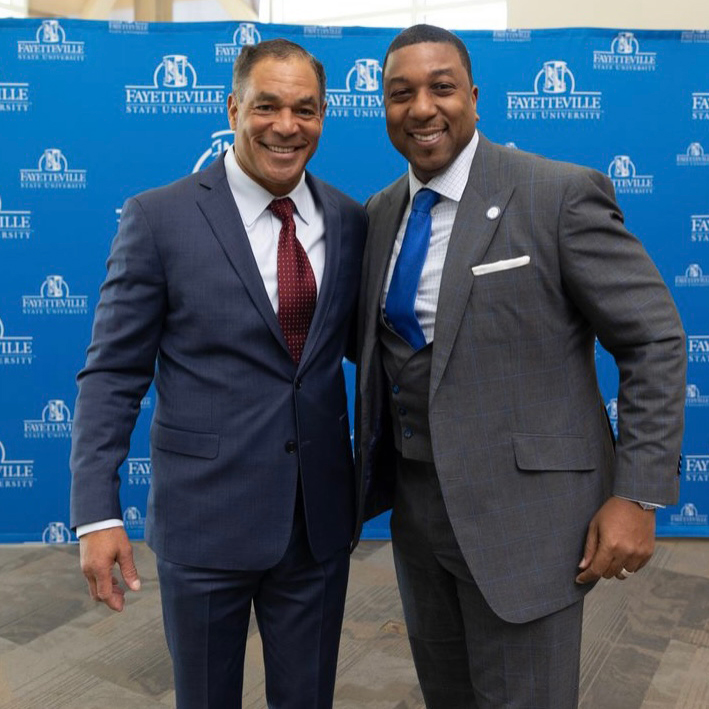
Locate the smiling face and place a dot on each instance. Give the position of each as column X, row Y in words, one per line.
column 277, row 122
column 430, row 105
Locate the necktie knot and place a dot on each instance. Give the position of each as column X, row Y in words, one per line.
column 424, row 200
column 282, row 208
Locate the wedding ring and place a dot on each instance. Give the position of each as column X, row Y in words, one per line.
column 624, row 573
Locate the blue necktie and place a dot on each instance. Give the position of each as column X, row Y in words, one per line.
column 401, row 298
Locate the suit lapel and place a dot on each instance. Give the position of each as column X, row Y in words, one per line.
column 217, row 204
column 333, row 239
column 470, row 239
column 382, row 235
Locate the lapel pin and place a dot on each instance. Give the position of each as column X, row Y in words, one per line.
column 493, row 213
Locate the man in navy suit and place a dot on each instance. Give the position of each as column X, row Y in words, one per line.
column 240, row 283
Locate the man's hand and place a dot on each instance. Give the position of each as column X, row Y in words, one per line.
column 621, row 536
column 99, row 551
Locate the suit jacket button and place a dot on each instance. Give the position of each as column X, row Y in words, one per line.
column 298, row 383
column 291, row 447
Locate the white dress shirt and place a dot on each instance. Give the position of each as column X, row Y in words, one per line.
column 262, row 229
column 450, row 185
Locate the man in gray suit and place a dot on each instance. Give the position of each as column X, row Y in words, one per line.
column 488, row 275
column 241, row 281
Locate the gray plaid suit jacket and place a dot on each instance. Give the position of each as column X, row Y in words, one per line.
column 521, row 441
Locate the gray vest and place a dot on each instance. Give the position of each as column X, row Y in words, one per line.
column 408, row 374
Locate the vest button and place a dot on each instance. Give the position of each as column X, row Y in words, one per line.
column 395, row 388
column 291, row 447
column 408, row 433
column 402, row 411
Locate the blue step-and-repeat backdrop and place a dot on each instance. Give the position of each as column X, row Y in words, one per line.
column 93, row 112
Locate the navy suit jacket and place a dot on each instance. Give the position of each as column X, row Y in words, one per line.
column 236, row 419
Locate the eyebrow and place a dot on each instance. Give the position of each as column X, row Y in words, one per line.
column 275, row 98
column 433, row 75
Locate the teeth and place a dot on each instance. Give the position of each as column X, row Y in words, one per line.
column 280, row 149
column 429, row 137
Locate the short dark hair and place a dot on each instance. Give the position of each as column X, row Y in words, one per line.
column 430, row 33
column 277, row 49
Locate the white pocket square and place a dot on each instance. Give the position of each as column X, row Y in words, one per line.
column 505, row 265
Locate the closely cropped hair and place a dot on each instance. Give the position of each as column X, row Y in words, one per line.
column 276, row 49
column 430, row 33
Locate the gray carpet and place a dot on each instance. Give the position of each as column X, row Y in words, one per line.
column 646, row 640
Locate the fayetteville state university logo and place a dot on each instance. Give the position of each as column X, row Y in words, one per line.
column 53, row 173
column 689, row 515
column 695, row 36
column 700, row 106
column 322, row 31
column 695, row 397
column 626, row 179
column 554, row 97
column 56, row 533
column 15, row 474
column 221, row 140
column 245, row 34
column 625, row 55
column 123, row 27
column 693, row 277
column 55, row 422
column 14, row 97
column 175, row 91
column 15, row 225
column 50, row 43
column 696, row 468
column 133, row 519
column 55, row 299
column 15, row 350
column 694, row 156
column 700, row 227
column 362, row 95
column 698, row 349
column 140, row 471
column 512, row 36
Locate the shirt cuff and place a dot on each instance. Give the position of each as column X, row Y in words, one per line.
column 643, row 504
column 97, row 526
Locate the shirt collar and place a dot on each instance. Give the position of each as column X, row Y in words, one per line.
column 252, row 199
column 450, row 183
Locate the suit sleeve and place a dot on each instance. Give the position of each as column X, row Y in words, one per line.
column 612, row 280
column 361, row 219
column 119, row 367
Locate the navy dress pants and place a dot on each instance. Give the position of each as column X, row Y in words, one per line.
column 299, row 606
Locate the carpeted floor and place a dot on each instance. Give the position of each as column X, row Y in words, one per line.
column 646, row 640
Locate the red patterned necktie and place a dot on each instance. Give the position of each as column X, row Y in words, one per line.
column 297, row 290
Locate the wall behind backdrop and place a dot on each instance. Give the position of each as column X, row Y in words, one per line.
column 93, row 112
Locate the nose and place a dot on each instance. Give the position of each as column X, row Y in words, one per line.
column 423, row 106
column 285, row 123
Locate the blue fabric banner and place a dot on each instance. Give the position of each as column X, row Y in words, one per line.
column 93, row 112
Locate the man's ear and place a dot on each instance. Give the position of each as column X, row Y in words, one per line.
column 232, row 108
column 474, row 96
